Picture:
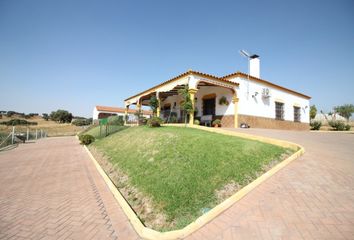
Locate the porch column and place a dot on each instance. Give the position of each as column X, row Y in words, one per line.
column 158, row 105
column 235, row 102
column 192, row 92
column 126, row 114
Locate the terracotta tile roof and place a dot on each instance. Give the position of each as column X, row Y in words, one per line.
column 244, row 75
column 183, row 75
column 120, row 110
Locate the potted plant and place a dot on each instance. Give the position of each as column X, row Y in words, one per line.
column 217, row 123
column 223, row 101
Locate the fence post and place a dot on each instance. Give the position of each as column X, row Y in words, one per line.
column 36, row 134
column 27, row 134
column 13, row 135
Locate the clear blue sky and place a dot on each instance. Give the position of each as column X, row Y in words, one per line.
column 77, row 54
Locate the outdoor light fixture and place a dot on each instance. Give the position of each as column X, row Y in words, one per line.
column 255, row 94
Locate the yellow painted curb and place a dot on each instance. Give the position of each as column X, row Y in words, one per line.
column 148, row 233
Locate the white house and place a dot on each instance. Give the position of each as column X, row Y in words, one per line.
column 234, row 99
column 100, row 112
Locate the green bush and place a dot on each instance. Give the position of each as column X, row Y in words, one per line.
column 315, row 125
column 116, row 120
column 86, row 139
column 173, row 117
column 347, row 127
column 14, row 122
column 196, row 122
column 81, row 122
column 337, row 125
column 217, row 122
column 154, row 122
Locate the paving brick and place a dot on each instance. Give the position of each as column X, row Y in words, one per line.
column 311, row 198
column 51, row 190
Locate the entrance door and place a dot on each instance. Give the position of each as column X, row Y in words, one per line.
column 209, row 106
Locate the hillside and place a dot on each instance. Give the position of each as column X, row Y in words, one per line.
column 50, row 127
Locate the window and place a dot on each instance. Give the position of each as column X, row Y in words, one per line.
column 297, row 114
column 279, row 111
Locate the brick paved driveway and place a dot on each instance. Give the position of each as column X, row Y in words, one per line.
column 51, row 190
column 311, row 198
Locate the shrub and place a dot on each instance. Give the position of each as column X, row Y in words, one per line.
column 14, row 122
column 154, row 122
column 81, row 122
column 116, row 120
column 173, row 117
column 347, row 127
column 45, row 116
column 86, row 139
column 217, row 122
column 196, row 122
column 315, row 125
column 337, row 125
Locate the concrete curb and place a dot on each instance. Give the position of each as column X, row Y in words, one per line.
column 148, row 233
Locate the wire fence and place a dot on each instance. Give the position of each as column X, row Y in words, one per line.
column 20, row 135
column 108, row 129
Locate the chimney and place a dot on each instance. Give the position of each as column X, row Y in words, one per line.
column 254, row 66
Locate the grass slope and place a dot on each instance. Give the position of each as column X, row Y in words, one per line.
column 180, row 169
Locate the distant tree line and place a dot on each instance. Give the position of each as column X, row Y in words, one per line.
column 59, row 116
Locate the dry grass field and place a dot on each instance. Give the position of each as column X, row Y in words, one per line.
column 50, row 127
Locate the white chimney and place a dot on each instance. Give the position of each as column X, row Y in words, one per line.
column 254, row 66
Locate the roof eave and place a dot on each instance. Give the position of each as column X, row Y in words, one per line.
column 239, row 74
column 189, row 72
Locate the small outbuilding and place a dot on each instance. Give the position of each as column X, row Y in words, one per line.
column 100, row 112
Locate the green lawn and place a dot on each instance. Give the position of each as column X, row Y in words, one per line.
column 180, row 169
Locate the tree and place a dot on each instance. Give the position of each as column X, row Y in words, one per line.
column 345, row 110
column 313, row 112
column 186, row 105
column 45, row 116
column 154, row 104
column 61, row 116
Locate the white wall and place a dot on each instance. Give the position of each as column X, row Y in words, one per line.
column 220, row 92
column 265, row 107
column 95, row 114
column 253, row 106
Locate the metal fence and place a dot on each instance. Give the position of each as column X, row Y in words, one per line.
column 106, row 128
column 20, row 135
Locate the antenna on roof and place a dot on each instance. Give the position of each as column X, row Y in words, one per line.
column 245, row 54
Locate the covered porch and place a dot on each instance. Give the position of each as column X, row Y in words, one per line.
column 211, row 97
